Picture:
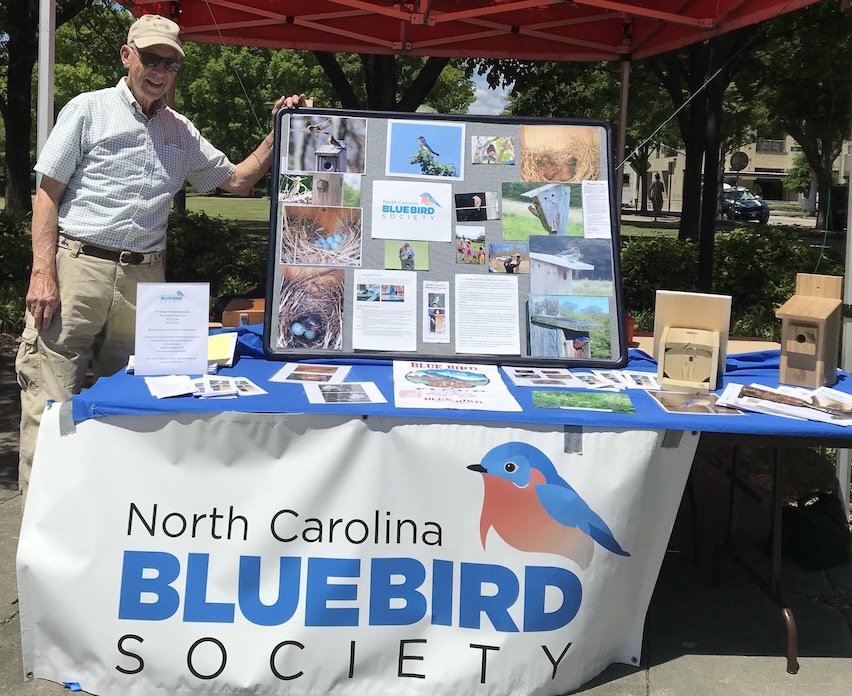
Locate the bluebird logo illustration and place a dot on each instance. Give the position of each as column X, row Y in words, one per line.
column 427, row 199
column 173, row 297
column 534, row 509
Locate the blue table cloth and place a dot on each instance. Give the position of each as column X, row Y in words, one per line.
column 125, row 394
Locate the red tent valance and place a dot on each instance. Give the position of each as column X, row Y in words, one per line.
column 570, row 30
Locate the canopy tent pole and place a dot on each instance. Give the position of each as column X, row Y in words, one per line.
column 844, row 470
column 621, row 135
column 46, row 44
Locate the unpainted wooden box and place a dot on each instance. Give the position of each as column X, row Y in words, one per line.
column 810, row 332
column 688, row 360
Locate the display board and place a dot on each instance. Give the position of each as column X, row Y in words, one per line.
column 452, row 238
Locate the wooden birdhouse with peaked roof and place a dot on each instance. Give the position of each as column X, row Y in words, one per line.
column 810, row 331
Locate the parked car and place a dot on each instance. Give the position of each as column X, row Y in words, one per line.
column 738, row 203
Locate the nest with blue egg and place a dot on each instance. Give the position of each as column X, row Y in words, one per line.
column 325, row 236
column 310, row 312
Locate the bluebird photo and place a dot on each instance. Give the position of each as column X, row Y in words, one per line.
column 425, row 149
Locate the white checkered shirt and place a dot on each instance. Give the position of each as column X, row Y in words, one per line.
column 123, row 169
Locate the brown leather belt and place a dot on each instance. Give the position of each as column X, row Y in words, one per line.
column 125, row 258
column 122, row 257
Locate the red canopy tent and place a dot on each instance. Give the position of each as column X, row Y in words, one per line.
column 568, row 30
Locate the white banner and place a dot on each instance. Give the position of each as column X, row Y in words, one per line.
column 295, row 554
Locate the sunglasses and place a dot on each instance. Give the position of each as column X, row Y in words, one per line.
column 152, row 60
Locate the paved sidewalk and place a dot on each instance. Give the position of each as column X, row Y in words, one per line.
column 699, row 641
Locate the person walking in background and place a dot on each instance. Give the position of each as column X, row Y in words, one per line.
column 109, row 171
column 655, row 193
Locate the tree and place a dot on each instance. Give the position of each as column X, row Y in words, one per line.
column 799, row 176
column 806, row 85
column 18, row 55
column 587, row 90
column 397, row 83
column 686, row 76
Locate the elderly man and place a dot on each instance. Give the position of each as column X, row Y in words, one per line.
column 109, row 171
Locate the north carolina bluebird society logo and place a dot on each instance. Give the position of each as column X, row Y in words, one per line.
column 533, row 508
column 420, row 207
column 175, row 297
column 526, row 502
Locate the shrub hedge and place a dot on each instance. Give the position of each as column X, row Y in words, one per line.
column 757, row 267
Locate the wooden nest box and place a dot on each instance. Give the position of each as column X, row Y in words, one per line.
column 688, row 360
column 810, row 331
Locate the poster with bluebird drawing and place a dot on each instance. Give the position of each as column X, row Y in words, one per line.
column 425, row 149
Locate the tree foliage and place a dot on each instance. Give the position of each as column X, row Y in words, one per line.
column 227, row 91
column 805, row 82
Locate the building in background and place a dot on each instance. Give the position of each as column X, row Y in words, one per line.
column 769, row 161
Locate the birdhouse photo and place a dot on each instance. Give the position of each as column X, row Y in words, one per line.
column 322, row 143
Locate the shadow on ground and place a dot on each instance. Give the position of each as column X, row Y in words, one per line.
column 10, row 415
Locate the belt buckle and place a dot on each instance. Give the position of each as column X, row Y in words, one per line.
column 124, row 257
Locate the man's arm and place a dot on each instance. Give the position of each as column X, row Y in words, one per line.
column 43, row 293
column 254, row 167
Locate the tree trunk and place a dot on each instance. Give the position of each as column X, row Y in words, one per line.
column 22, row 51
column 380, row 78
column 715, row 93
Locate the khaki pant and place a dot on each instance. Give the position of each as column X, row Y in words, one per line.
column 96, row 324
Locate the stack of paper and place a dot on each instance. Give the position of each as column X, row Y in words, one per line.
column 221, row 347
column 824, row 404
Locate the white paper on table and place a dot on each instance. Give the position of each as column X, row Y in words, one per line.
column 596, row 220
column 637, row 379
column 542, row 377
column 245, row 387
column 169, row 385
column 346, row 393
column 309, row 372
column 419, row 384
column 731, row 397
column 212, row 387
column 388, row 323
column 171, row 328
column 487, row 315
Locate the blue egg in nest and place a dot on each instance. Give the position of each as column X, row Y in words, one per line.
column 297, row 329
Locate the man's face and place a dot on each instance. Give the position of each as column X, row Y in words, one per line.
column 149, row 82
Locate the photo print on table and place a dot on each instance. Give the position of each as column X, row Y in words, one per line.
column 572, row 328
column 570, row 266
column 406, row 256
column 470, row 244
column 560, row 153
column 317, row 143
column 492, row 149
column 508, row 257
column 315, row 235
column 477, row 206
column 533, row 208
column 428, row 149
column 310, row 308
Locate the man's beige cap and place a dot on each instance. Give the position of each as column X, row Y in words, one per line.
column 153, row 30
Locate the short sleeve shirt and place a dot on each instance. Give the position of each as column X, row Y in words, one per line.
column 122, row 169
